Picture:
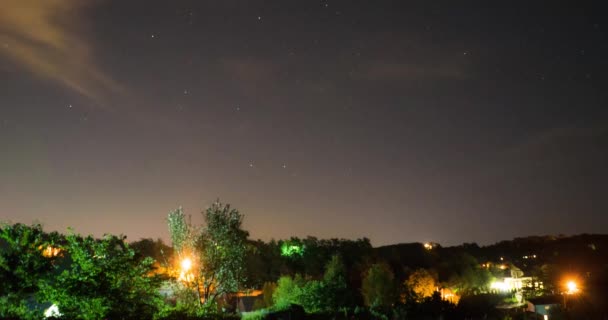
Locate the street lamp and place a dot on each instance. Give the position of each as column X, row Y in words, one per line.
column 186, row 264
column 185, row 274
column 572, row 287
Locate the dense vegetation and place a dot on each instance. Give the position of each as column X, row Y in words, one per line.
column 88, row 278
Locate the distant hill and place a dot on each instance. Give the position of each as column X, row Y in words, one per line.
column 584, row 255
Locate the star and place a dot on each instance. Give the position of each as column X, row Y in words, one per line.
column 251, row 165
column 284, row 166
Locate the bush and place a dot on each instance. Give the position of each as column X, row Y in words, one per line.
column 255, row 315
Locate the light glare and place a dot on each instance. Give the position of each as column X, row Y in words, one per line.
column 572, row 287
column 186, row 264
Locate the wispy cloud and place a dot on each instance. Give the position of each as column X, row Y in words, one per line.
column 44, row 37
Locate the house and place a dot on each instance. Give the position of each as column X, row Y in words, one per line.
column 543, row 305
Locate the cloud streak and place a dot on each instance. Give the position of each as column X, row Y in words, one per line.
column 42, row 36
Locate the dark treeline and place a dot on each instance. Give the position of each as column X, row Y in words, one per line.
column 296, row 278
column 584, row 255
column 459, row 268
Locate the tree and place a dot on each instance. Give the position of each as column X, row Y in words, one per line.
column 287, row 292
column 155, row 249
column 422, row 284
column 216, row 252
column 335, row 286
column 465, row 276
column 102, row 278
column 316, row 296
column 183, row 234
column 267, row 292
column 22, row 265
column 378, row 288
column 222, row 248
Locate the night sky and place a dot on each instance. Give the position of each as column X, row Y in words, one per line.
column 395, row 120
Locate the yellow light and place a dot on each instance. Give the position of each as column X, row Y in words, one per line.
column 500, row 285
column 49, row 251
column 186, row 264
column 428, row 246
column 572, row 287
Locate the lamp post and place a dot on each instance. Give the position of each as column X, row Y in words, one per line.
column 571, row 288
column 188, row 277
column 185, row 266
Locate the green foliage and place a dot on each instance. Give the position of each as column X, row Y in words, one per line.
column 316, row 296
column 181, row 231
column 378, row 286
column 337, row 294
column 299, row 291
column 222, row 250
column 255, row 315
column 312, row 297
column 218, row 250
column 102, row 278
column 287, row 292
column 13, row 307
column 155, row 249
column 290, row 249
column 22, row 266
column 267, row 292
column 466, row 275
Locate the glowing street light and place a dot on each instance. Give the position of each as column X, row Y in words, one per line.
column 185, row 273
column 572, row 287
column 186, row 264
